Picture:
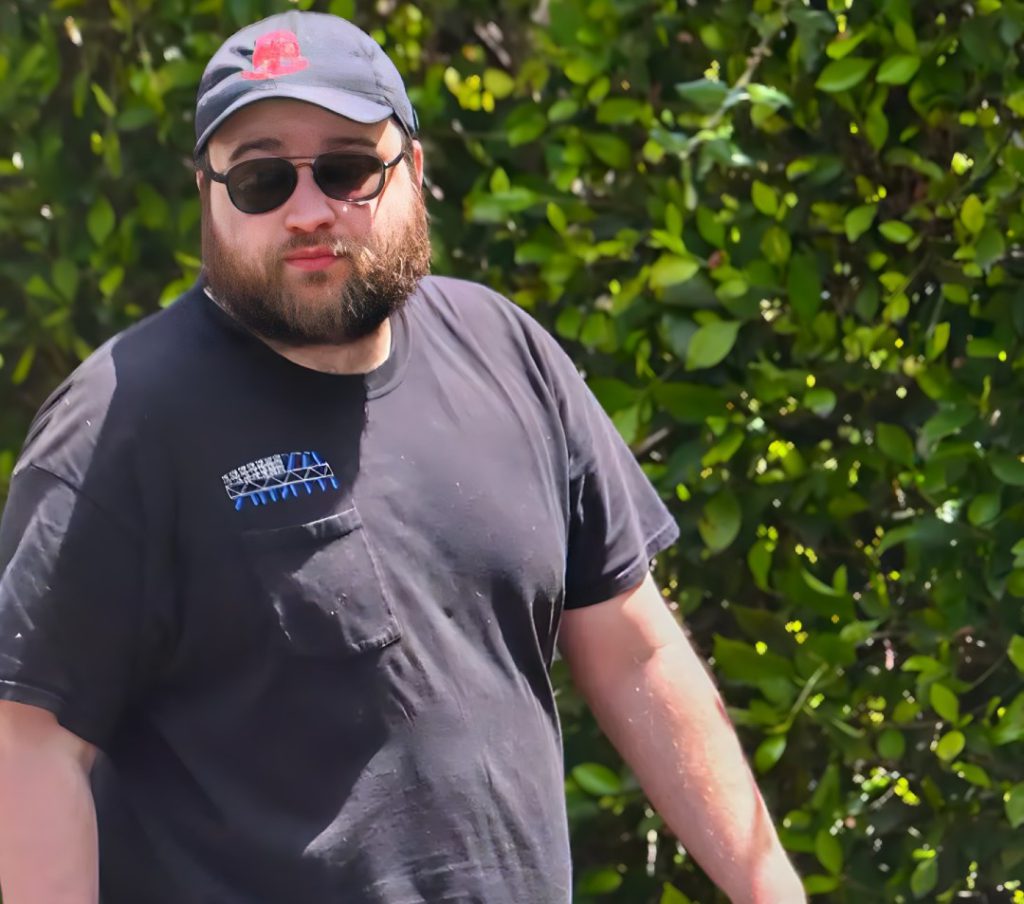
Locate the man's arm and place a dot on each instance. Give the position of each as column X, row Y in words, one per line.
column 656, row 703
column 48, row 844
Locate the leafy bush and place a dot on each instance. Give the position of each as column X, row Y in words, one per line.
column 783, row 241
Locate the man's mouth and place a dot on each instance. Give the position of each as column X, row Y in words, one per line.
column 319, row 258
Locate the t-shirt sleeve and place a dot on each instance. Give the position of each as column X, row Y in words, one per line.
column 70, row 604
column 617, row 521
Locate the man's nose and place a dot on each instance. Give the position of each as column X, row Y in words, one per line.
column 309, row 209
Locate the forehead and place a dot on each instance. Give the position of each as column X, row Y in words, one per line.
column 292, row 123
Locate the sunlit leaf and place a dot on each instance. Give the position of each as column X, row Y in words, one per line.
column 898, row 69
column 944, row 702
column 859, row 220
column 711, row 343
column 842, row 75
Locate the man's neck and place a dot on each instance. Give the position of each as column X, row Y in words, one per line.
column 358, row 357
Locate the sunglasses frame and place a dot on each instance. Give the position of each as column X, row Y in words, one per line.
column 223, row 178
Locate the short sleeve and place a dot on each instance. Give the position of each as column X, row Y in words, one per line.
column 70, row 602
column 617, row 521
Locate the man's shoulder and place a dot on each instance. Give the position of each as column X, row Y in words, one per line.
column 114, row 393
column 469, row 305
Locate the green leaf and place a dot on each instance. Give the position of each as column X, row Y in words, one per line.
column 804, row 285
column 672, row 895
column 821, row 401
column 897, row 232
column 563, row 109
column 945, row 702
column 938, row 341
column 950, row 746
column 1015, row 583
column 972, row 214
column 769, row 96
column 621, row 111
column 984, row 509
column 924, row 877
column 703, row 93
column 711, row 343
column 556, row 217
column 740, row 662
column 950, row 420
column 1016, row 652
column 769, row 752
column 896, row 444
column 723, row 450
column 100, row 221
column 1008, row 468
column 498, row 82
column 820, row 885
column 672, row 269
column 829, row 851
column 765, row 198
column 111, row 281
column 776, row 245
column 759, row 560
column 65, row 278
column 24, row 365
column 841, row 75
column 845, row 43
column 1014, row 801
column 1011, row 725
column 103, row 100
column 891, row 744
column 989, row 247
column 859, row 220
column 523, row 125
column 597, row 780
column 898, row 69
column 690, row 403
column 720, row 523
column 344, row 8
column 609, row 149
column 601, row 881
column 975, row 775
column 710, row 228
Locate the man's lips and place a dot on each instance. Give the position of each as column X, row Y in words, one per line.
column 318, row 258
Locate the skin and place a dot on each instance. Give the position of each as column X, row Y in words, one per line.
column 48, row 840
column 292, row 128
column 654, row 700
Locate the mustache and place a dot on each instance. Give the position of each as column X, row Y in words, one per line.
column 358, row 252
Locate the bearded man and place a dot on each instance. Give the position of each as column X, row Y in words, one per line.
column 284, row 566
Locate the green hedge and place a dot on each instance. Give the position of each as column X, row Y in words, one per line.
column 782, row 239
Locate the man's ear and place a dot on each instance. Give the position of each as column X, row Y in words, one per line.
column 417, row 160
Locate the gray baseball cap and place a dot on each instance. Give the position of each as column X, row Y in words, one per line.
column 312, row 57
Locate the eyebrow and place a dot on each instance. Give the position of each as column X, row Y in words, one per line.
column 273, row 144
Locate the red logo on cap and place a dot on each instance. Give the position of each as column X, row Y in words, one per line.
column 276, row 53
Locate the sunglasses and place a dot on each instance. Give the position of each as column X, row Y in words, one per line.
column 261, row 184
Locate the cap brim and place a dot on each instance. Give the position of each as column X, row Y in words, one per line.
column 341, row 103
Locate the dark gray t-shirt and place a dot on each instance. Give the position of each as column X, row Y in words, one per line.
column 308, row 618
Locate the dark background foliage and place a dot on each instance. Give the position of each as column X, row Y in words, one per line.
column 782, row 240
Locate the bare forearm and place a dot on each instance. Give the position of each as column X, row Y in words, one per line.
column 48, row 845
column 668, row 722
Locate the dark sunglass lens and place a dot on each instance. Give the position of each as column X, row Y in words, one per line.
column 348, row 177
column 257, row 186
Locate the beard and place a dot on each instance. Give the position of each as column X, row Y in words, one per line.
column 384, row 272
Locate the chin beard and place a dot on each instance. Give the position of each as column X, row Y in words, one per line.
column 383, row 274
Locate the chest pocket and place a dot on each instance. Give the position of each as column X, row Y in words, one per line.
column 325, row 586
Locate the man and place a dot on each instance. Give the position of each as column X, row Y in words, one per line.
column 294, row 554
